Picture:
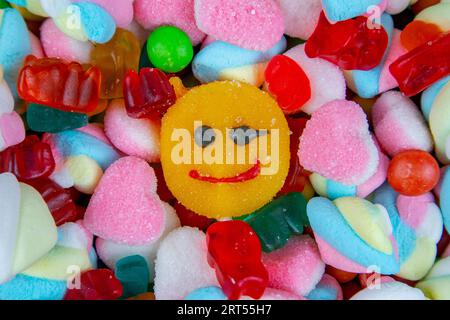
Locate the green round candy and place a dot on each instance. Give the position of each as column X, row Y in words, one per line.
column 169, row 49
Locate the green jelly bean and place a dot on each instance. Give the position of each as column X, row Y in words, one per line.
column 133, row 274
column 277, row 221
column 45, row 119
column 169, row 49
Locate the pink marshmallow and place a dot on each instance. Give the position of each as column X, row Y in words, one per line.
column 36, row 47
column 337, row 144
column 125, row 207
column 135, row 137
column 377, row 179
column 179, row 13
column 120, row 10
column 12, row 129
column 300, row 17
column 254, row 25
column 387, row 80
column 297, row 267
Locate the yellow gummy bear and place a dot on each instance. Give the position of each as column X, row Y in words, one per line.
column 223, row 106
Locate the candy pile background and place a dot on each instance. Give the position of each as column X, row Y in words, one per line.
column 92, row 205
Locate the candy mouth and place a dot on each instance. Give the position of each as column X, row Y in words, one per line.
column 250, row 174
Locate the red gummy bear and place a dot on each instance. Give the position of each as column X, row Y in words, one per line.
column 59, row 201
column 287, row 83
column 350, row 44
column 58, row 84
column 28, row 160
column 99, row 284
column 420, row 68
column 297, row 175
column 234, row 251
column 149, row 94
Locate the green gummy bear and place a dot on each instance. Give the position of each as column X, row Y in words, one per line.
column 277, row 221
column 133, row 274
column 45, row 119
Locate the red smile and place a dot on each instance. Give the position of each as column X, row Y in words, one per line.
column 250, row 174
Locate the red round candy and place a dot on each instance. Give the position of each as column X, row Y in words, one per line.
column 99, row 284
column 412, row 173
column 287, row 83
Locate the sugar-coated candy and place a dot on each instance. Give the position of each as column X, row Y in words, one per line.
column 56, row 83
column 125, row 207
column 287, row 83
column 337, row 144
column 182, row 263
column 350, row 44
column 114, row 59
column 277, row 221
column 224, row 61
column 98, row 284
column 417, row 228
column 255, row 26
column 353, row 234
column 148, row 94
column 110, row 252
column 442, row 190
column 397, row 6
column 300, row 17
column 344, row 10
column 169, row 49
column 436, row 285
column 179, row 13
column 135, row 137
column 132, row 272
column 399, row 125
column 23, row 210
column 28, row 160
column 320, row 74
column 41, row 118
column 120, row 10
column 234, row 251
column 421, row 67
column 297, row 267
column 413, row 172
column 392, row 290
column 12, row 130
column 327, row 289
column 220, row 189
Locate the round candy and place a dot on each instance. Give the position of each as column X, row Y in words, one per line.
column 413, row 173
column 169, row 49
column 208, row 149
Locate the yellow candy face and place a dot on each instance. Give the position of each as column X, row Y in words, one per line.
column 225, row 177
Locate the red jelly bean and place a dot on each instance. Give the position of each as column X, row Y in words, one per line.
column 350, row 44
column 191, row 219
column 412, row 173
column 297, row 176
column 234, row 251
column 59, row 201
column 287, row 83
column 99, row 284
column 58, row 84
column 149, row 94
column 28, row 160
column 420, row 68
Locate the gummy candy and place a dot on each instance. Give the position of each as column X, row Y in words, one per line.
column 234, row 252
column 98, row 284
column 45, row 119
column 133, row 274
column 350, row 44
column 58, row 84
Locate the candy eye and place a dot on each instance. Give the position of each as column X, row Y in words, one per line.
column 244, row 135
column 204, row 136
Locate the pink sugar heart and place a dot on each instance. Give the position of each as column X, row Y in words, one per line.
column 125, row 207
column 254, row 25
column 337, row 144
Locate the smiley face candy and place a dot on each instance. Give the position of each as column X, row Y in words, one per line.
column 225, row 149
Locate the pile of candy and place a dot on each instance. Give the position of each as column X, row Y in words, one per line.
column 224, row 149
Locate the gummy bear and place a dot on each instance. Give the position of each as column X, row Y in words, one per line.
column 277, row 221
column 351, row 44
column 149, row 94
column 58, row 84
column 59, row 201
column 234, row 252
column 44, row 119
column 28, row 160
column 99, row 284
column 420, row 68
column 114, row 59
column 287, row 83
